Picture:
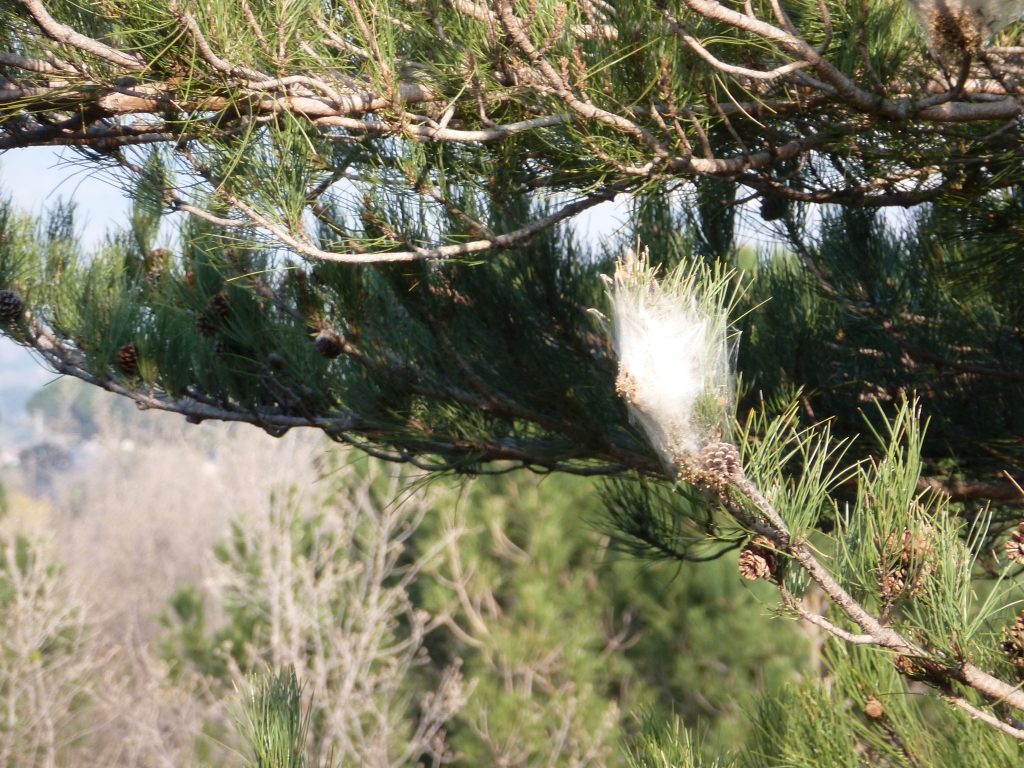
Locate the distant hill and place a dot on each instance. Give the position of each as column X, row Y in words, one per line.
column 21, row 375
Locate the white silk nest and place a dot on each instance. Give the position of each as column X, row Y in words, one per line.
column 675, row 353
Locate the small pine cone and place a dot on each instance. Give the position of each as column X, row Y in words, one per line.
column 905, row 665
column 911, row 667
column 1017, row 630
column 219, row 305
column 955, row 29
column 914, row 566
column 917, row 557
column 204, row 326
column 1015, row 545
column 721, row 460
column 758, row 560
column 873, row 708
column 158, row 258
column 328, row 344
column 128, row 359
column 11, row 306
column 1014, row 647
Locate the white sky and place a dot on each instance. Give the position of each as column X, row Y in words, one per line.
column 35, row 178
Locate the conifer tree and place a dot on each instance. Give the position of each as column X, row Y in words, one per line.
column 338, row 165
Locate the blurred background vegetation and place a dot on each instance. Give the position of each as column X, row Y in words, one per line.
column 171, row 541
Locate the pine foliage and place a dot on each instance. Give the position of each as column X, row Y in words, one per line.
column 366, row 131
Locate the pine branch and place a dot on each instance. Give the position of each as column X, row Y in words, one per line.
column 800, row 104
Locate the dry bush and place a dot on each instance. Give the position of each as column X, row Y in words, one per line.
column 325, row 568
column 46, row 658
column 151, row 496
column 135, row 519
column 329, row 583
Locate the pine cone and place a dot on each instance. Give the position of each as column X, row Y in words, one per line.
column 721, row 460
column 1015, row 545
column 913, row 567
column 128, row 359
column 758, row 560
column 873, row 708
column 328, row 344
column 11, row 306
column 204, row 326
column 626, row 386
column 1014, row 647
column 908, row 666
column 953, row 28
column 1017, row 630
column 219, row 305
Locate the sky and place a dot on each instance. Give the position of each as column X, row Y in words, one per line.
column 35, row 178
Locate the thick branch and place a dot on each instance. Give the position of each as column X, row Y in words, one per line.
column 62, row 33
column 985, row 717
column 506, row 240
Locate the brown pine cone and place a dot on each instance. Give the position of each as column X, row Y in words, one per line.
column 128, row 359
column 1015, row 545
column 626, row 386
column 1014, row 647
column 219, row 305
column 758, row 560
column 11, row 306
column 721, row 460
column 204, row 326
column 955, row 29
column 1017, row 630
column 328, row 344
column 915, row 564
column 907, row 666
column 774, row 208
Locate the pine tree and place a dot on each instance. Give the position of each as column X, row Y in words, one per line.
column 339, row 165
